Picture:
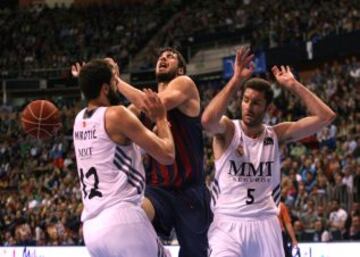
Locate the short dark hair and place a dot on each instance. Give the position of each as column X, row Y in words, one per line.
column 92, row 76
column 261, row 85
column 181, row 59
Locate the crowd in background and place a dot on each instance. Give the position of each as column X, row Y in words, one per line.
column 43, row 38
column 265, row 24
column 40, row 201
column 270, row 23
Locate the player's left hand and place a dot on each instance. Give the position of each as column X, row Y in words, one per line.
column 284, row 76
column 76, row 68
column 152, row 106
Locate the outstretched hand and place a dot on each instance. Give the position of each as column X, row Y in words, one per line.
column 243, row 66
column 284, row 76
column 152, row 106
column 76, row 68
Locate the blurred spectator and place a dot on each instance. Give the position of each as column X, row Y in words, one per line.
column 23, row 235
column 356, row 185
column 355, row 227
column 301, row 199
column 298, row 230
column 341, row 192
column 320, row 233
column 337, row 220
column 309, row 216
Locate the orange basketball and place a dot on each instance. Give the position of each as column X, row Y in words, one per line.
column 41, row 119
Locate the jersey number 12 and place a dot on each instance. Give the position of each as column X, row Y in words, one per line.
column 94, row 190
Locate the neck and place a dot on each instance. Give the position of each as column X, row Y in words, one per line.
column 96, row 103
column 252, row 132
column 162, row 86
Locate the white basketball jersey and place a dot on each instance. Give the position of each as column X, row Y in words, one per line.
column 247, row 176
column 110, row 174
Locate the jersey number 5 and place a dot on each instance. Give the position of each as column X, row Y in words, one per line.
column 93, row 191
column 250, row 196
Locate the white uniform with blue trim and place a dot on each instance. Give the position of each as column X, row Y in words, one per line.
column 247, row 181
column 112, row 182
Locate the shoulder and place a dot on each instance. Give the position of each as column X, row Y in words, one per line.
column 343, row 212
column 115, row 114
column 184, row 78
column 115, row 111
column 184, row 81
column 80, row 114
column 271, row 131
column 280, row 129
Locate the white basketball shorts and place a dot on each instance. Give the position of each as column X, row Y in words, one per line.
column 122, row 232
column 240, row 237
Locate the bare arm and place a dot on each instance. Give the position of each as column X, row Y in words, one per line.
column 134, row 95
column 212, row 118
column 134, row 110
column 160, row 146
column 290, row 230
column 180, row 90
column 320, row 115
column 286, row 220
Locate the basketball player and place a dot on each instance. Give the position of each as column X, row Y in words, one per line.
column 176, row 195
column 247, row 161
column 107, row 140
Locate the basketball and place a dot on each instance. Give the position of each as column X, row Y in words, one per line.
column 41, row 119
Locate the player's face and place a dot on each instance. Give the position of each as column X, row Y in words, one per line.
column 167, row 66
column 253, row 107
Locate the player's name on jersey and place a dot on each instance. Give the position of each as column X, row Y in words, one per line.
column 85, row 152
column 85, row 134
column 247, row 169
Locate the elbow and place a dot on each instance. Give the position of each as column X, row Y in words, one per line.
column 206, row 122
column 168, row 158
column 330, row 117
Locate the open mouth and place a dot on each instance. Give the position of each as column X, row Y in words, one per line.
column 163, row 65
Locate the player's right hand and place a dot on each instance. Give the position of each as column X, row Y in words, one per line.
column 243, row 66
column 152, row 106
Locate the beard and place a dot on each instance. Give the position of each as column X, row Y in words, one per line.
column 113, row 97
column 254, row 122
column 166, row 77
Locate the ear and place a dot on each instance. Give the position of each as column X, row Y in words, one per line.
column 105, row 88
column 180, row 71
column 270, row 107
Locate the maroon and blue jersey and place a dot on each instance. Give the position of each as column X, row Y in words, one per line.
column 188, row 166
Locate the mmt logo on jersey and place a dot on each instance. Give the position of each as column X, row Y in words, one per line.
column 246, row 172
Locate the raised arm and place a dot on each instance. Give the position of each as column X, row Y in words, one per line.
column 320, row 115
column 212, row 119
column 120, row 122
column 134, row 95
column 177, row 92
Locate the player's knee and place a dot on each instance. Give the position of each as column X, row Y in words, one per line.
column 148, row 208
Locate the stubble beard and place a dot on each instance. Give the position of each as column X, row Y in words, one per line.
column 165, row 77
